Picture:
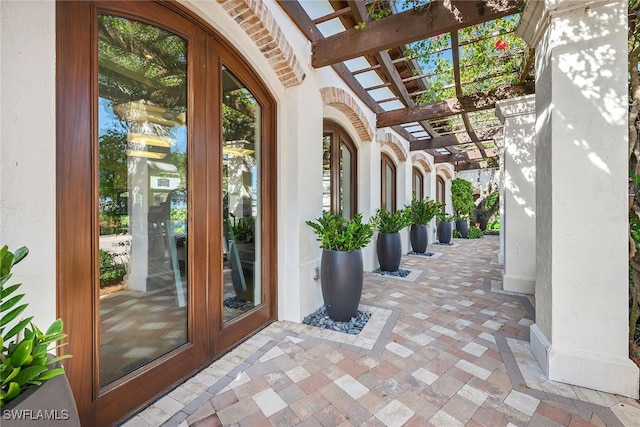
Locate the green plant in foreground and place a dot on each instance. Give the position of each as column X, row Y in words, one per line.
column 24, row 360
column 337, row 233
column 474, row 233
column 392, row 222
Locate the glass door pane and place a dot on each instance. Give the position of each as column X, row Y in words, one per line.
column 143, row 210
column 345, row 181
column 326, row 172
column 241, row 185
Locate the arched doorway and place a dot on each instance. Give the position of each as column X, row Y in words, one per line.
column 166, row 185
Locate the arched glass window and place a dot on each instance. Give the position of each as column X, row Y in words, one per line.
column 418, row 184
column 339, row 172
column 388, row 183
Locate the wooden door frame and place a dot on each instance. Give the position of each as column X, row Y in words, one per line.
column 77, row 303
column 385, row 160
column 337, row 136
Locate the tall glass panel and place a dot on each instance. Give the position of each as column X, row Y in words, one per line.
column 345, row 181
column 142, row 146
column 389, row 187
column 326, row 172
column 241, row 198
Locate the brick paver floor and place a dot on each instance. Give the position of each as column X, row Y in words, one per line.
column 445, row 346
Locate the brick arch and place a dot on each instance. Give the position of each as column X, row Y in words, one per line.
column 445, row 171
column 422, row 159
column 348, row 105
column 394, row 143
column 257, row 21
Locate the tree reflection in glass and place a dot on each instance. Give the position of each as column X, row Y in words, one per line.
column 142, row 147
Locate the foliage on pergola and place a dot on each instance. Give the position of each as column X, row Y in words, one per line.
column 446, row 61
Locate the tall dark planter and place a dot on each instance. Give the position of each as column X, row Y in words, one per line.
column 341, row 278
column 419, row 238
column 444, row 232
column 389, row 251
column 463, row 228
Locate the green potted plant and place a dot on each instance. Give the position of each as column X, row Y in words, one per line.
column 444, row 226
column 32, row 379
column 421, row 212
column 389, row 245
column 341, row 266
column 462, row 199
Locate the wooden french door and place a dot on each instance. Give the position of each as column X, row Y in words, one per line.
column 165, row 202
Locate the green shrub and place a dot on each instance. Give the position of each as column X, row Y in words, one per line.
column 462, row 197
column 111, row 271
column 492, row 232
column 422, row 212
column 475, row 233
column 456, row 234
column 388, row 222
column 337, row 233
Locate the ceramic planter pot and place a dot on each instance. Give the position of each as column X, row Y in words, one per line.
column 341, row 275
column 389, row 248
column 444, row 232
column 419, row 238
column 463, row 228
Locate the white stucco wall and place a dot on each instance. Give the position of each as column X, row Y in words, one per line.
column 27, row 149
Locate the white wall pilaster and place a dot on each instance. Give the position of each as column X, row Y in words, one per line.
column 581, row 193
column 519, row 251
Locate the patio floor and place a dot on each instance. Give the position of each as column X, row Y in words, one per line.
column 445, row 346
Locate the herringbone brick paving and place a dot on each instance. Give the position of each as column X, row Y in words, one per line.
column 444, row 347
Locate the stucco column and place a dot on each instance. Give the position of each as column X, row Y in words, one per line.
column 581, row 329
column 519, row 195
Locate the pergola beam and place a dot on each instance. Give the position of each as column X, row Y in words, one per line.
column 444, row 141
column 452, row 106
column 406, row 27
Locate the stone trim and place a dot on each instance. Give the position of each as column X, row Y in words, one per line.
column 445, row 171
column 260, row 25
column 393, row 142
column 422, row 159
column 348, row 105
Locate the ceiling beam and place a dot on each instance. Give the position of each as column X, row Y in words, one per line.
column 484, row 164
column 406, row 27
column 463, row 156
column 453, row 106
column 444, row 141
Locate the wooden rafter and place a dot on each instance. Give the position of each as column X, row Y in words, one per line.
column 446, row 141
column 464, row 156
column 405, row 27
column 455, row 58
column 383, row 58
column 452, row 106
